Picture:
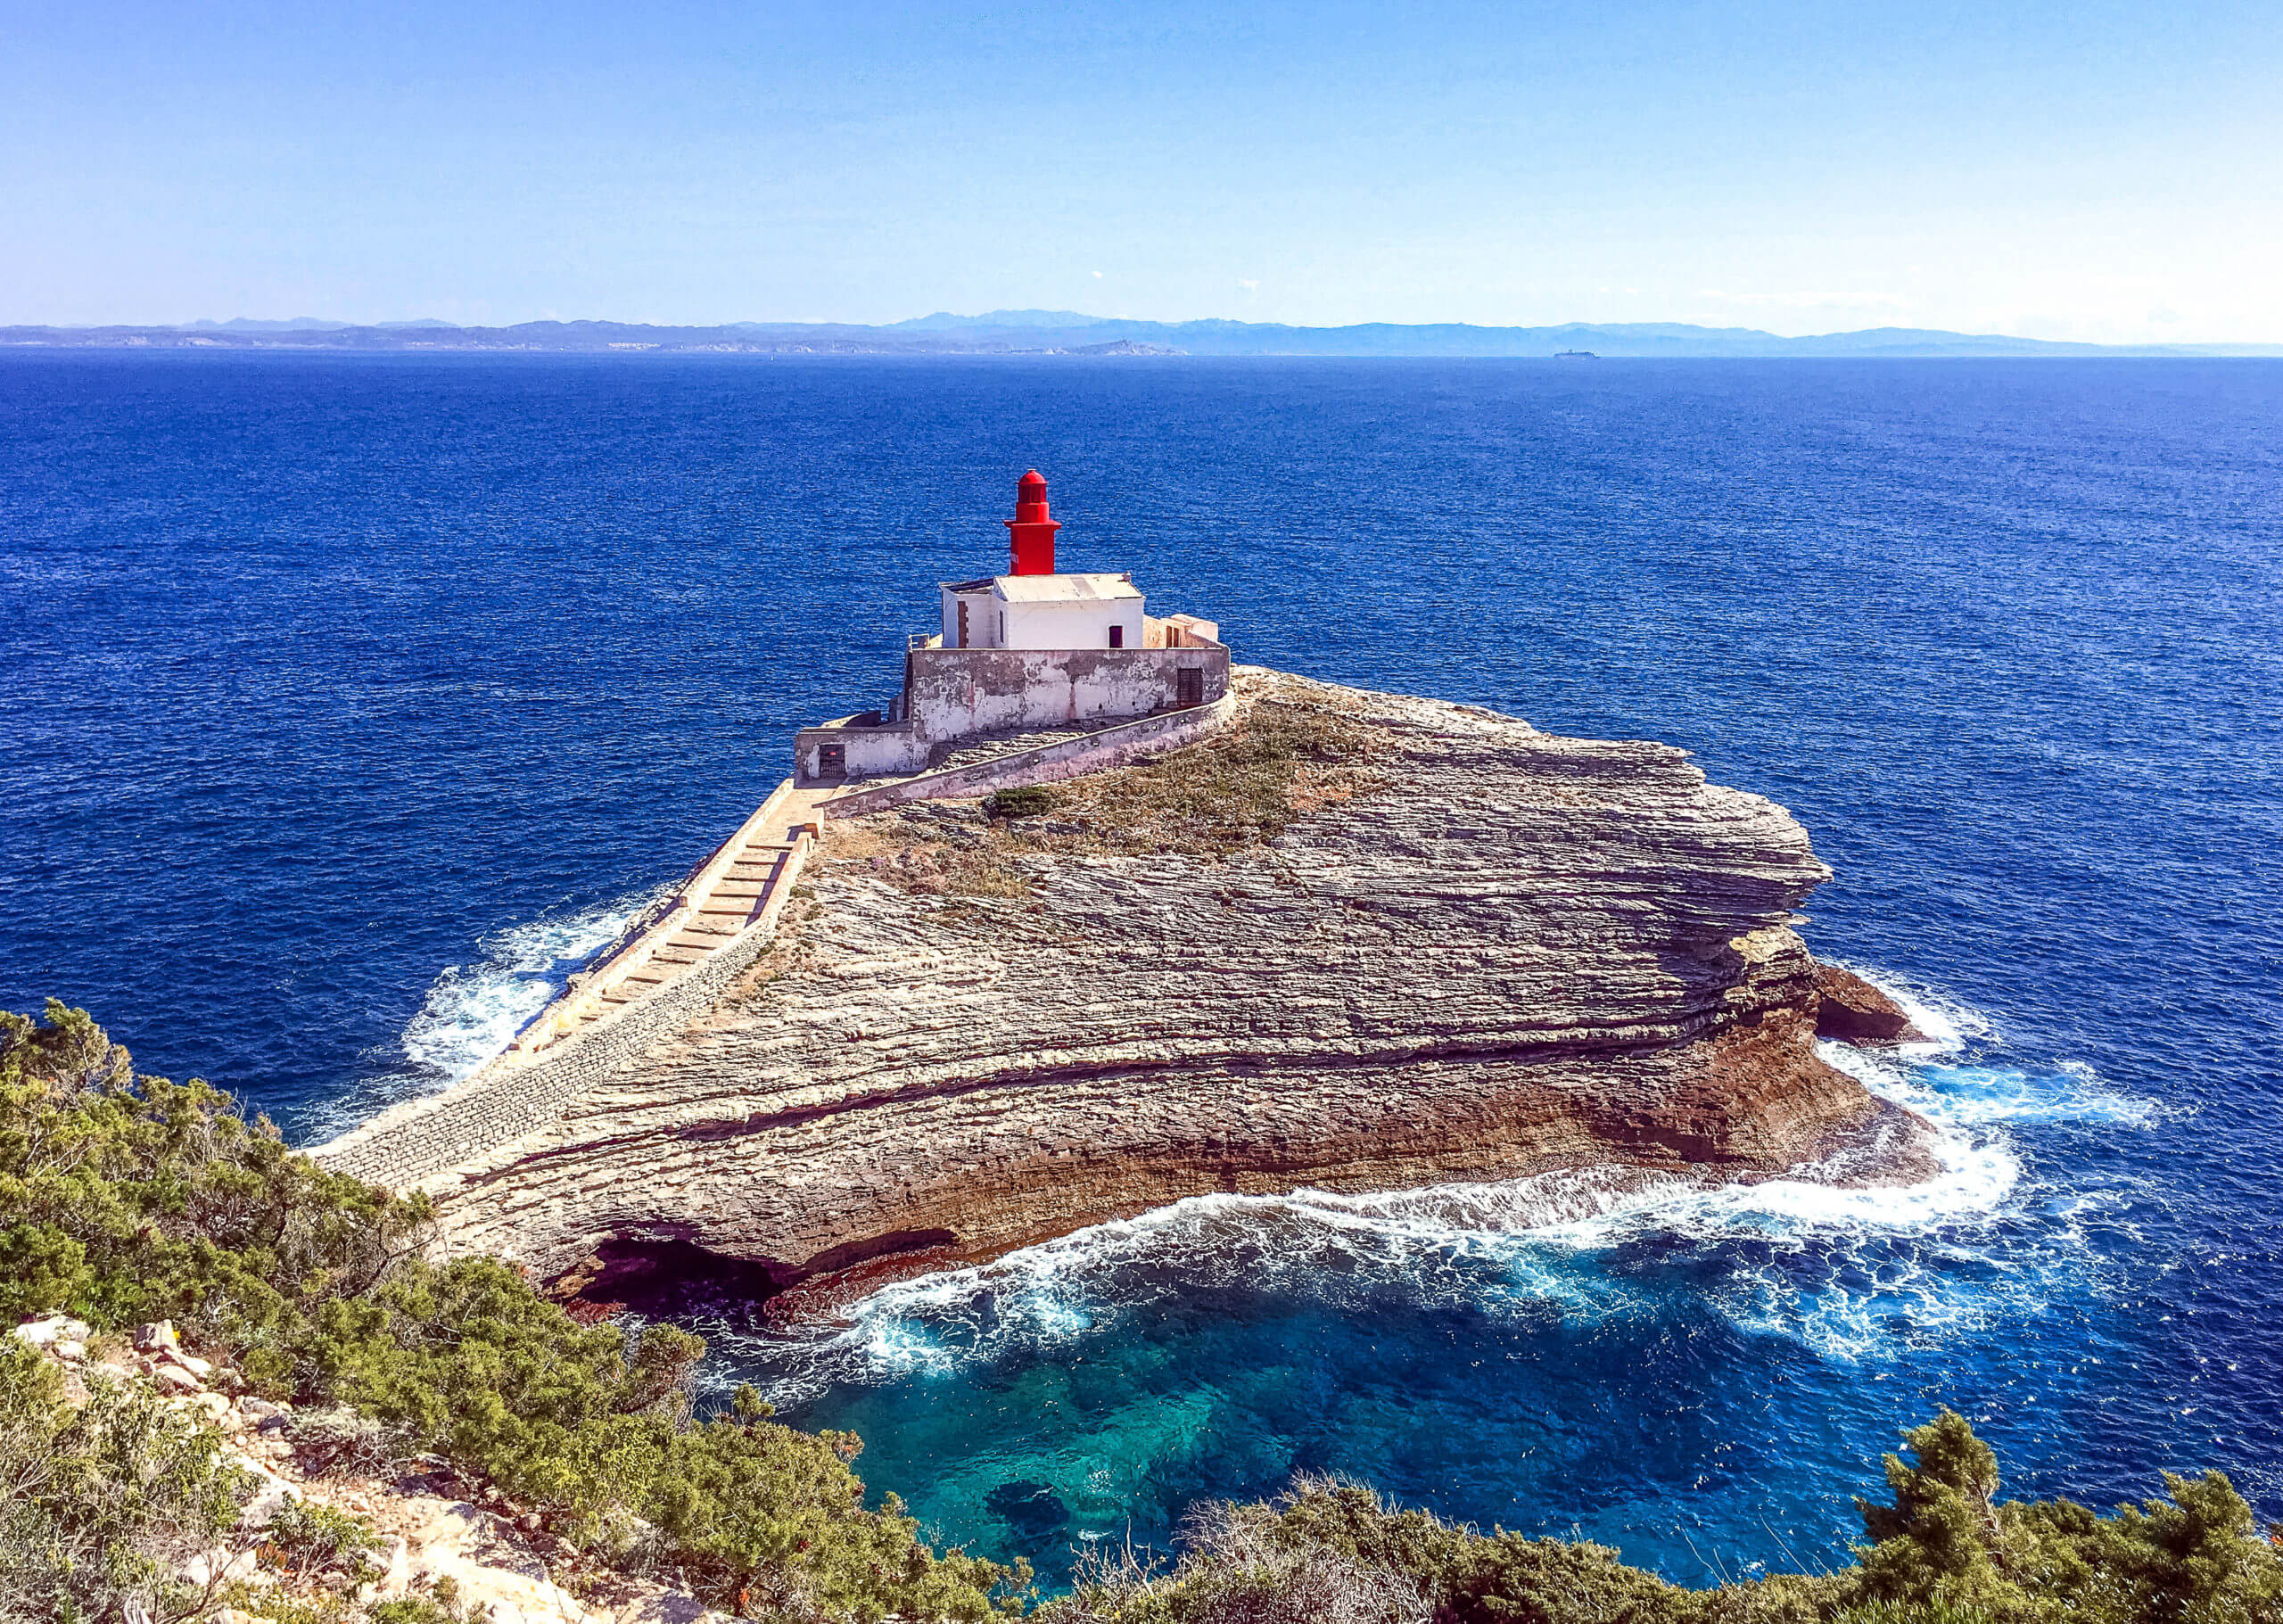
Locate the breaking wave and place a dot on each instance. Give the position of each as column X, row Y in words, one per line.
column 1849, row 1272
column 474, row 1010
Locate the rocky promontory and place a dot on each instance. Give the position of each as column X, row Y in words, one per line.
column 1354, row 941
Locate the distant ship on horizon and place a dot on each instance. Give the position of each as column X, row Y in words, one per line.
column 1575, row 355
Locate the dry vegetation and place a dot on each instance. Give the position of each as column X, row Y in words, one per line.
column 1290, row 750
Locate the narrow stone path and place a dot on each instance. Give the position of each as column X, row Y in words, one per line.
column 724, row 895
column 666, row 970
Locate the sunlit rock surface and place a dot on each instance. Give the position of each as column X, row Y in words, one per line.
column 1507, row 953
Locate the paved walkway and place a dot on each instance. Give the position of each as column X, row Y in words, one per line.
column 667, row 971
column 728, row 892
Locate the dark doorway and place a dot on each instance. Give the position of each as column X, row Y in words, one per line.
column 832, row 761
column 1189, row 686
column 1118, row 636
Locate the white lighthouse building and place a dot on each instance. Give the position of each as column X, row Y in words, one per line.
column 1043, row 611
column 1029, row 648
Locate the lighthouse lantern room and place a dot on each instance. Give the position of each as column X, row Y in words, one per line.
column 1034, row 647
column 1031, row 607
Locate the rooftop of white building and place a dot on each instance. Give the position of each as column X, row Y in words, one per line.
column 1098, row 588
column 1065, row 588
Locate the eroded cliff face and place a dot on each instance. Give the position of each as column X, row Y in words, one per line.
column 1475, row 951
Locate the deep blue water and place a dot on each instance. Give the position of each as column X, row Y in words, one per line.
column 346, row 699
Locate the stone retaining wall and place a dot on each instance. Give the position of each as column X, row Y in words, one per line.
column 421, row 1138
column 1068, row 758
column 958, row 693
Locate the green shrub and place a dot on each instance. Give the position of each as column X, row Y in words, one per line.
column 441, row 1605
column 1025, row 801
column 415, row 1609
column 1944, row 1551
column 102, row 1506
column 131, row 1198
column 1947, row 1542
column 286, row 1607
column 305, row 1539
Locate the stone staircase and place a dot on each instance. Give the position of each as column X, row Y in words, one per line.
column 665, row 970
column 722, row 897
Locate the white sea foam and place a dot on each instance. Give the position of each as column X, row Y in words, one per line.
column 1846, row 1270
column 473, row 1010
column 1979, row 1095
column 1851, row 1271
column 1950, row 1024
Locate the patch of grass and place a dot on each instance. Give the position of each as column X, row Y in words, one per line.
column 946, row 868
column 1279, row 759
column 1285, row 754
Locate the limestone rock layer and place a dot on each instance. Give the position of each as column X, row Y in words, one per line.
column 1503, row 953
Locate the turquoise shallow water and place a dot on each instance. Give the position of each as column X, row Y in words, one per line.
column 1662, row 1367
column 346, row 701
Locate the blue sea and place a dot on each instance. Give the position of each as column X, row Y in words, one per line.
column 346, row 702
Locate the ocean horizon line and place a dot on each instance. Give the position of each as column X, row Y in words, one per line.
column 1064, row 332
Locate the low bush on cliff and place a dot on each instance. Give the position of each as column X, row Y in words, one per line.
column 1945, row 1549
column 1024, row 801
column 125, row 1198
column 102, row 1505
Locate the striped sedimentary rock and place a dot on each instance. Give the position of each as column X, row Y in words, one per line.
column 1515, row 952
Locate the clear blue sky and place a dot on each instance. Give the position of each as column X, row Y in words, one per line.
column 2090, row 170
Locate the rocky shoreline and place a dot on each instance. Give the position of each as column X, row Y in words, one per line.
column 1446, row 947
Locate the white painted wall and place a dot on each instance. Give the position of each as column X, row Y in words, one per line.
column 1084, row 623
column 982, row 619
column 1069, row 623
column 864, row 751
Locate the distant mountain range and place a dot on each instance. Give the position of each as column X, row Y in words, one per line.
column 1069, row 333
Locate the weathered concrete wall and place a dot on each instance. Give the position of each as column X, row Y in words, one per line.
column 865, row 751
column 956, row 693
column 1068, row 758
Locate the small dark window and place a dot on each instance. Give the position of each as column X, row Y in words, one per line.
column 1118, row 636
column 1189, row 686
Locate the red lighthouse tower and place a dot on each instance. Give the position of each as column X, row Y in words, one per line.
column 1030, row 534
